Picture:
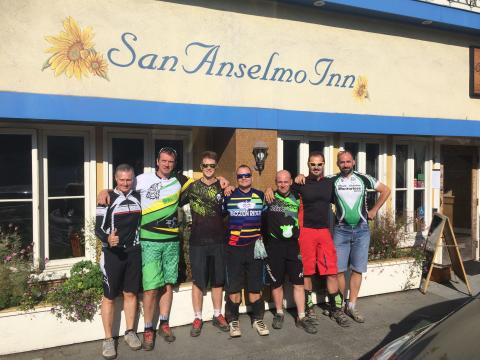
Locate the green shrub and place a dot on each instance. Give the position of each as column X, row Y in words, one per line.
column 78, row 297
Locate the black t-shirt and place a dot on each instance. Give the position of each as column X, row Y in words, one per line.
column 206, row 205
column 281, row 217
column 316, row 197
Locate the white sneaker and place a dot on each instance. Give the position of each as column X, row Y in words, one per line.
column 108, row 349
column 235, row 329
column 132, row 340
column 261, row 328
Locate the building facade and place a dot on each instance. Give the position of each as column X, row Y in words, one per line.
column 88, row 85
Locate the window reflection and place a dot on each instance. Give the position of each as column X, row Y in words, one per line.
column 65, row 165
column 66, row 222
column 16, row 165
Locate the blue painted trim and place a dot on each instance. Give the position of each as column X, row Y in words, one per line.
column 34, row 107
column 412, row 11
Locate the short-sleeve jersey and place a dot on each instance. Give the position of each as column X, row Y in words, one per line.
column 206, row 206
column 160, row 198
column 350, row 196
column 244, row 216
column 281, row 217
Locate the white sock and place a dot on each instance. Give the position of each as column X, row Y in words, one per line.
column 198, row 315
column 217, row 312
column 351, row 305
column 301, row 315
column 280, row 312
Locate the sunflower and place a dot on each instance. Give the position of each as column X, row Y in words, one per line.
column 360, row 91
column 70, row 49
column 96, row 64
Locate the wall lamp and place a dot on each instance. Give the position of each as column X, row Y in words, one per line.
column 260, row 153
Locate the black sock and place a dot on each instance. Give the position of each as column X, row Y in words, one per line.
column 335, row 301
column 163, row 322
column 231, row 310
column 258, row 309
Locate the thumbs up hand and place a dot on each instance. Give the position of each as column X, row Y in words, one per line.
column 113, row 238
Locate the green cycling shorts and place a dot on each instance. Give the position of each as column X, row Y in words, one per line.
column 159, row 263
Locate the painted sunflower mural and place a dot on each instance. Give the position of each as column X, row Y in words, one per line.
column 73, row 53
column 360, row 91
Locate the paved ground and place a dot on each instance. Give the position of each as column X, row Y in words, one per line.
column 388, row 316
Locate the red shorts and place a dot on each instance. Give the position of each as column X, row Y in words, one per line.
column 317, row 248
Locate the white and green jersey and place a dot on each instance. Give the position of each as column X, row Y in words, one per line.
column 350, row 197
column 159, row 199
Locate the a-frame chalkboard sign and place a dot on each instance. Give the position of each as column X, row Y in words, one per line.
column 441, row 228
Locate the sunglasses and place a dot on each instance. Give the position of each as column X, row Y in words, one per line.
column 211, row 166
column 316, row 164
column 244, row 176
column 168, row 150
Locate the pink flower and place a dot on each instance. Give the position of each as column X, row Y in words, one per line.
column 8, row 258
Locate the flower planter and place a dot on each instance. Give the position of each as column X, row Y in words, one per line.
column 44, row 330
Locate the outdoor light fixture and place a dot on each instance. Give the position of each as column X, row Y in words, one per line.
column 260, row 154
column 319, row 3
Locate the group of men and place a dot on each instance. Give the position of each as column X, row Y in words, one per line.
column 137, row 223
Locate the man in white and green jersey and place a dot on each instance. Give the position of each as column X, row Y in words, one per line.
column 352, row 233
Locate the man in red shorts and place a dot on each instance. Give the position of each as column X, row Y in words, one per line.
column 316, row 244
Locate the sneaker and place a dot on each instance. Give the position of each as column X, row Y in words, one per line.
column 220, row 323
column 165, row 332
column 277, row 322
column 261, row 328
column 108, row 349
column 311, row 314
column 235, row 328
column 307, row 325
column 354, row 314
column 196, row 327
column 148, row 339
column 132, row 340
column 339, row 316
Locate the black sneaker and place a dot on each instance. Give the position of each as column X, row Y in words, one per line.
column 340, row 317
column 307, row 325
column 277, row 322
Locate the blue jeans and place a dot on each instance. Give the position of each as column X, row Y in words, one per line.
column 352, row 244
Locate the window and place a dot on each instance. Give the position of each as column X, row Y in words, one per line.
column 128, row 151
column 16, row 185
column 412, row 166
column 65, row 194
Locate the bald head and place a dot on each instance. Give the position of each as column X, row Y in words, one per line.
column 283, row 180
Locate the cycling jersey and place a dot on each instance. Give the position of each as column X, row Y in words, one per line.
column 350, row 195
column 160, row 198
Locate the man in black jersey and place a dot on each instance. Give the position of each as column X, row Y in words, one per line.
column 117, row 227
column 281, row 232
column 207, row 241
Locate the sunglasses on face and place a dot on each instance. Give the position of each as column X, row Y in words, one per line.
column 316, row 164
column 244, row 176
column 204, row 166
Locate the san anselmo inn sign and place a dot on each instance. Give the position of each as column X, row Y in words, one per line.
column 206, row 59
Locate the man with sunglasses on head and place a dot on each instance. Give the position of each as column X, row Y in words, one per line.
column 244, row 206
column 316, row 244
column 207, row 240
column 159, row 239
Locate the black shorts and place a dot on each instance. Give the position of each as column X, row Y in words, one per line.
column 122, row 271
column 208, row 266
column 283, row 258
column 241, row 265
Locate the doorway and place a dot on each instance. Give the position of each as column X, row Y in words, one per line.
column 459, row 201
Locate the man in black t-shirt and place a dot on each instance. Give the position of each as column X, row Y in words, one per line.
column 207, row 242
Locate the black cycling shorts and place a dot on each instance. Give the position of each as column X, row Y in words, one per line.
column 122, row 271
column 283, row 258
column 241, row 266
column 208, row 266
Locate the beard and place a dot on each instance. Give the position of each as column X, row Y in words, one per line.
column 346, row 171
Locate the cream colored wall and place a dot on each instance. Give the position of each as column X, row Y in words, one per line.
column 411, row 71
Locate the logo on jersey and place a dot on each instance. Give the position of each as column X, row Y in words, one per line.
column 153, row 192
column 246, row 205
column 287, row 231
